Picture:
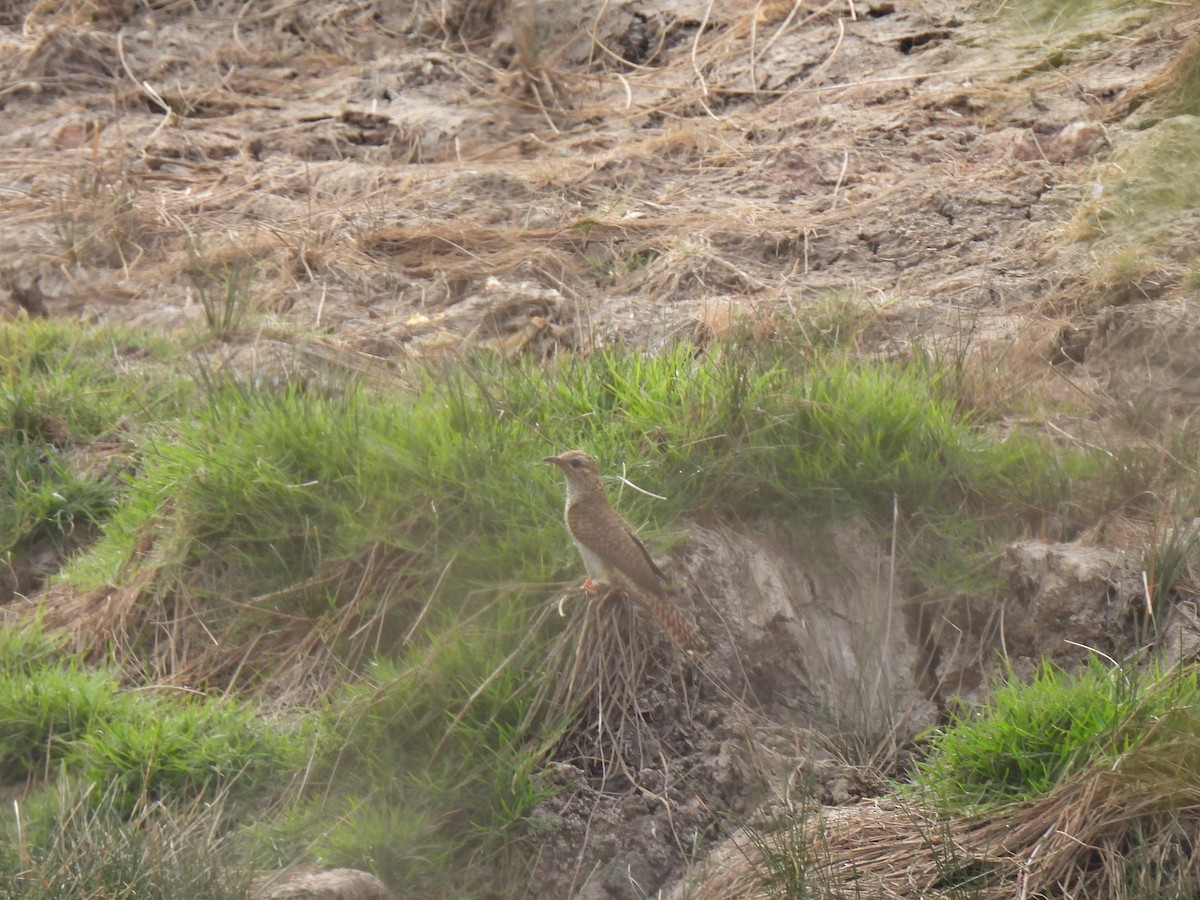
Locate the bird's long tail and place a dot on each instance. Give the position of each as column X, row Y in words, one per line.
column 672, row 620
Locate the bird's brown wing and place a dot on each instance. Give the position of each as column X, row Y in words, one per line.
column 601, row 529
column 658, row 574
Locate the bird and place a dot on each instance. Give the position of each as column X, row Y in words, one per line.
column 612, row 552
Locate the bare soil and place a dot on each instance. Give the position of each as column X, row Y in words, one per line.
column 406, row 178
column 377, row 182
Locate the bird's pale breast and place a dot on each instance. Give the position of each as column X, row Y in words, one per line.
column 597, row 569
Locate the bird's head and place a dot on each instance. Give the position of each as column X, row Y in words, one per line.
column 577, row 466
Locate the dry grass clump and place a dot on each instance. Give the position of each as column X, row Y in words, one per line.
column 169, row 637
column 1077, row 787
column 455, row 249
column 624, row 693
column 1107, row 833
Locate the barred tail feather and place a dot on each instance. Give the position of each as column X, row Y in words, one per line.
column 673, row 622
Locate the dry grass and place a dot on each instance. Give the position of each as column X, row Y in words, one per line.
column 1074, row 843
column 610, row 158
column 296, row 657
column 621, row 687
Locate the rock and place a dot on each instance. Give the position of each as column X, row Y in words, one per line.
column 1063, row 593
column 329, row 884
column 1067, row 143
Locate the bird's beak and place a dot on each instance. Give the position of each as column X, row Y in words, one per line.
column 553, row 459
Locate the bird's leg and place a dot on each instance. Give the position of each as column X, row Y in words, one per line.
column 611, row 590
column 599, row 590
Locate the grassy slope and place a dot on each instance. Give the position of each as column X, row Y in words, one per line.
column 409, row 538
column 406, row 540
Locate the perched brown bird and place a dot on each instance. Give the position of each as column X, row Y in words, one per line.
column 612, row 553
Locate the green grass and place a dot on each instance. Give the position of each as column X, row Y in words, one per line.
column 64, row 383
column 1152, row 185
column 423, row 798
column 71, row 839
column 1057, row 15
column 145, row 746
column 434, row 507
column 1029, row 737
column 224, row 292
column 47, row 498
column 1051, row 34
column 64, row 390
column 1144, row 196
column 1181, row 94
column 271, row 489
column 1148, row 194
column 1167, row 564
column 792, row 859
column 1191, row 280
column 1110, row 752
column 142, row 787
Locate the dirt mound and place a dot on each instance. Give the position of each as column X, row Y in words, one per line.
column 817, row 682
column 811, row 660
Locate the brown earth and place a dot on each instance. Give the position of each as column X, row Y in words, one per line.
column 376, row 182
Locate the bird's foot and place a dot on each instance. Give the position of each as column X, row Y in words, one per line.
column 598, row 591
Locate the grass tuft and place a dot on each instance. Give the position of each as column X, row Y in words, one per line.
column 145, row 747
column 128, row 793
column 224, row 290
column 67, row 398
column 1168, row 564
column 1029, row 737
column 74, row 839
